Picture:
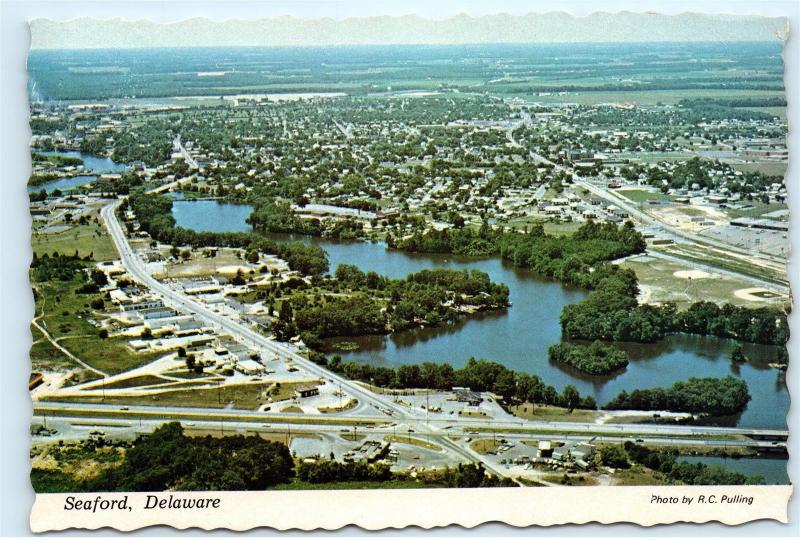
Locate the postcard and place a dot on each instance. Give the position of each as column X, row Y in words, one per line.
column 389, row 271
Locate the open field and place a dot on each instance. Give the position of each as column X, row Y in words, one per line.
column 757, row 209
column 650, row 97
column 640, row 196
column 485, row 446
column 767, row 167
column 44, row 354
column 67, row 320
column 238, row 396
column 638, row 476
column 665, row 280
column 552, row 413
column 412, row 441
column 715, row 258
column 86, row 239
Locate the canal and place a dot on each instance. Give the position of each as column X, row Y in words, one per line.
column 519, row 336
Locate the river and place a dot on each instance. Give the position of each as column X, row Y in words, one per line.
column 519, row 336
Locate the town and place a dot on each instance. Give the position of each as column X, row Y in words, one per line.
column 296, row 267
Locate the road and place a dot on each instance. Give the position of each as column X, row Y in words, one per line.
column 176, row 143
column 380, row 415
column 669, row 231
column 182, row 302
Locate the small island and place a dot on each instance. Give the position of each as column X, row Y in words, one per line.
column 596, row 359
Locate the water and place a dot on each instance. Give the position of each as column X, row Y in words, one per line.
column 92, row 164
column 64, row 184
column 773, row 469
column 519, row 336
column 209, row 215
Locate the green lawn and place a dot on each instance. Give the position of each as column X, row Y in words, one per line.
column 639, row 196
column 86, row 239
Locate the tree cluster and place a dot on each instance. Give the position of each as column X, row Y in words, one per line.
column 597, row 358
column 169, row 460
column 706, row 396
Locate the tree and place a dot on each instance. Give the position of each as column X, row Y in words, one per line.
column 190, row 362
column 181, row 352
column 614, row 455
column 571, row 396
column 737, row 355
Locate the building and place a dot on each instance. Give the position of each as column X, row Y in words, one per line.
column 465, row 395
column 302, row 393
column 578, row 453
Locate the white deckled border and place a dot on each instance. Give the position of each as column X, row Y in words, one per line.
column 379, row 509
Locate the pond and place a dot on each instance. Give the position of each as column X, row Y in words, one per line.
column 519, row 336
column 773, row 469
column 92, row 164
column 210, row 215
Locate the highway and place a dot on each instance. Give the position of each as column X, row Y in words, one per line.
column 675, row 233
column 181, row 301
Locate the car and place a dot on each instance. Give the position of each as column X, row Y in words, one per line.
column 124, row 408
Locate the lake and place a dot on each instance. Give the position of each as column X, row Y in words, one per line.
column 519, row 336
column 773, row 469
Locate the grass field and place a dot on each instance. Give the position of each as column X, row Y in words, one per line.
column 136, row 381
column 638, row 476
column 758, row 209
column 652, row 97
column 66, row 317
column 657, row 279
column 44, row 354
column 484, row 446
column 640, row 196
column 412, row 441
column 552, row 413
column 717, row 259
column 86, row 239
column 239, row 396
column 767, row 167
